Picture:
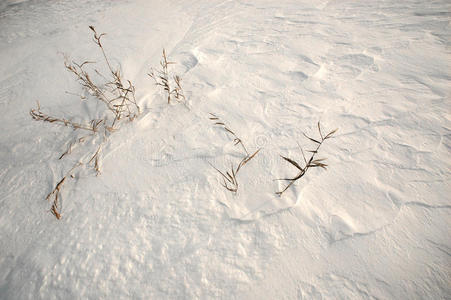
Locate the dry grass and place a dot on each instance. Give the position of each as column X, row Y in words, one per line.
column 54, row 195
column 162, row 79
column 118, row 98
column 311, row 162
column 38, row 115
column 229, row 180
column 236, row 139
column 72, row 144
column 117, row 94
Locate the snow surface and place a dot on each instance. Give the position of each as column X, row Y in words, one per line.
column 157, row 223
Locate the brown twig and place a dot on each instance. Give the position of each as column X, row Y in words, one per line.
column 72, row 144
column 311, row 162
column 55, row 193
column 161, row 78
column 236, row 139
column 230, row 181
column 229, row 178
column 95, row 157
column 38, row 115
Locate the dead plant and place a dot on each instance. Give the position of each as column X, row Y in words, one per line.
column 236, row 139
column 230, row 181
column 54, row 195
column 38, row 115
column 118, row 97
column 161, row 78
column 229, row 178
column 311, row 162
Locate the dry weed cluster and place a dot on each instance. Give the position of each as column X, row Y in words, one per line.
column 162, row 79
column 118, row 98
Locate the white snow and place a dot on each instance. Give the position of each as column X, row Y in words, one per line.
column 157, row 223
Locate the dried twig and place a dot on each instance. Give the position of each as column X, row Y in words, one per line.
column 55, row 194
column 230, row 181
column 38, row 115
column 161, row 78
column 178, row 91
column 229, row 178
column 95, row 158
column 311, row 162
column 72, row 144
column 236, row 139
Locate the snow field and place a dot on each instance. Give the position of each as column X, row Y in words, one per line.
column 157, row 224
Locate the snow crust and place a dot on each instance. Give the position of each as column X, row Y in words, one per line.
column 157, row 223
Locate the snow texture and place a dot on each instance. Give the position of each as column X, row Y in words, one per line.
column 157, row 223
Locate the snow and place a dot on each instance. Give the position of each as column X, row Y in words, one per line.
column 158, row 224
